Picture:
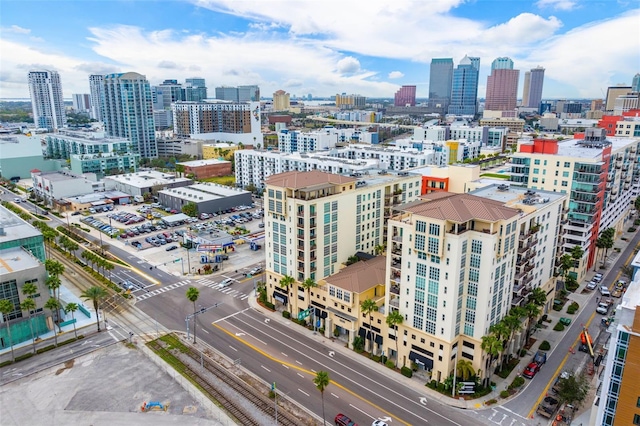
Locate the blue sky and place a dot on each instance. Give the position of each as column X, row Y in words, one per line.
column 319, row 47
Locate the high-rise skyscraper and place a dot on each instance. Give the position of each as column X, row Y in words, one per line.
column 502, row 86
column 532, row 92
column 635, row 84
column 165, row 94
column 440, row 77
column 46, row 100
column 464, row 87
column 195, row 90
column 249, row 93
column 281, row 101
column 502, row 63
column 128, row 111
column 406, row 95
column 81, row 102
column 96, row 87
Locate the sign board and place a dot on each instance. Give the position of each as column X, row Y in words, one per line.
column 302, row 315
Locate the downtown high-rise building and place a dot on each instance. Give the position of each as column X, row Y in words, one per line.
column 96, row 88
column 532, row 90
column 195, row 89
column 165, row 94
column 502, row 86
column 440, row 77
column 405, row 96
column 127, row 111
column 635, row 83
column 464, row 87
column 81, row 102
column 47, row 102
column 238, row 94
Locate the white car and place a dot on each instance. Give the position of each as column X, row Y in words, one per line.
column 225, row 283
column 603, row 308
column 604, row 291
column 592, row 285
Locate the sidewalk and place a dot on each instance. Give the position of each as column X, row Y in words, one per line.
column 541, row 334
column 82, row 323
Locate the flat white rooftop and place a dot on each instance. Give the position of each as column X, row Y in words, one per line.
column 16, row 259
column 199, row 163
column 143, row 179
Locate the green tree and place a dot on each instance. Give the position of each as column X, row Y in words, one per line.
column 308, row 284
column 285, row 282
column 566, row 263
column 54, row 267
column 321, row 380
column 192, row 295
column 636, row 204
column 29, row 305
column 54, row 306
column 393, row 319
column 533, row 312
column 537, row 296
column 367, row 307
column 379, row 249
column 605, row 241
column 49, row 236
column 493, row 346
column 573, row 389
column 108, row 266
column 180, row 169
column 465, row 369
column 190, row 209
column 6, row 307
column 72, row 307
column 95, row 294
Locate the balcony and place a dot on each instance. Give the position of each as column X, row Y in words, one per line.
column 517, row 301
column 396, row 265
column 312, row 224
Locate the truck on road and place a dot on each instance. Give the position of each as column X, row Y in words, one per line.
column 548, row 407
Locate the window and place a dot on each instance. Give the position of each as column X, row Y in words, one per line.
column 434, row 244
column 434, row 229
column 421, row 226
column 419, row 243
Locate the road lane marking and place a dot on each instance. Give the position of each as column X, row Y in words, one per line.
column 298, row 362
column 284, row 354
column 564, row 360
column 268, row 356
column 229, row 316
column 334, row 395
column 233, row 348
column 265, row 368
column 302, row 392
column 301, row 375
column 362, row 411
column 285, row 366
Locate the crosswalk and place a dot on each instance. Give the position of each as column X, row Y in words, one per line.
column 229, row 291
column 205, row 282
column 161, row 290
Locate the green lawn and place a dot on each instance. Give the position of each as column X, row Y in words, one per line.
column 222, row 180
column 496, row 175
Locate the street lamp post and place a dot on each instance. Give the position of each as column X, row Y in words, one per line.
column 455, row 371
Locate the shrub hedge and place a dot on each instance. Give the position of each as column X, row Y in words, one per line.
column 545, row 346
column 558, row 327
column 406, row 371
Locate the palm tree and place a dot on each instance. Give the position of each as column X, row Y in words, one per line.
column 465, row 369
column 493, row 346
column 379, row 249
column 308, row 284
column 53, row 305
column 109, row 267
column 95, row 294
column 54, row 267
column 6, row 307
column 566, row 263
column 513, row 324
column 285, row 282
column 537, row 296
column 72, row 307
column 192, row 295
column 49, row 236
column 501, row 332
column 533, row 311
column 322, row 381
column 28, row 305
column 393, row 319
column 368, row 306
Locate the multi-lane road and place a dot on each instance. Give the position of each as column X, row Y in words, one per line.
column 285, row 353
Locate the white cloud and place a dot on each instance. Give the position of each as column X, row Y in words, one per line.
column 348, row 65
column 557, row 4
column 16, row 30
column 395, row 74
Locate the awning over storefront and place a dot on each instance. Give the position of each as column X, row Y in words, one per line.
column 418, row 358
column 280, row 297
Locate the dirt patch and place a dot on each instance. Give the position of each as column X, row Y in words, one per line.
column 530, row 343
column 67, row 365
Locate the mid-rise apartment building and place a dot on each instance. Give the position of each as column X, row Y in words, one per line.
column 596, row 172
column 104, row 164
column 220, row 120
column 345, row 101
column 96, row 89
column 617, row 402
column 304, row 237
column 281, row 101
column 295, row 141
column 64, row 144
column 53, row 187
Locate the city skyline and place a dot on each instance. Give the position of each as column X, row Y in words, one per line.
column 303, row 47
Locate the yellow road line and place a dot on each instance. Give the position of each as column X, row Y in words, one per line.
column 311, row 373
column 555, row 374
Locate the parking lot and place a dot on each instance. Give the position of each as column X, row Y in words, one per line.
column 139, row 230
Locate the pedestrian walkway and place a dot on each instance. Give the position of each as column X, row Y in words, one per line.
column 540, row 334
column 145, row 294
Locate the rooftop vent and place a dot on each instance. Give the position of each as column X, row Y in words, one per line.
column 503, row 187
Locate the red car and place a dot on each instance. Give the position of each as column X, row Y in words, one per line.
column 342, row 420
column 531, row 370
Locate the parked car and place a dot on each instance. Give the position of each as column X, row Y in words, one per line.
column 604, row 291
column 540, row 358
column 597, row 277
column 378, row 423
column 603, row 308
column 620, row 285
column 592, row 285
column 171, row 248
column 342, row 420
column 531, row 370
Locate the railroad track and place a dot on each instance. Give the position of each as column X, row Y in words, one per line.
column 131, row 319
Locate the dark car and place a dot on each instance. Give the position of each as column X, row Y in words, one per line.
column 170, row 248
column 531, row 370
column 342, row 420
